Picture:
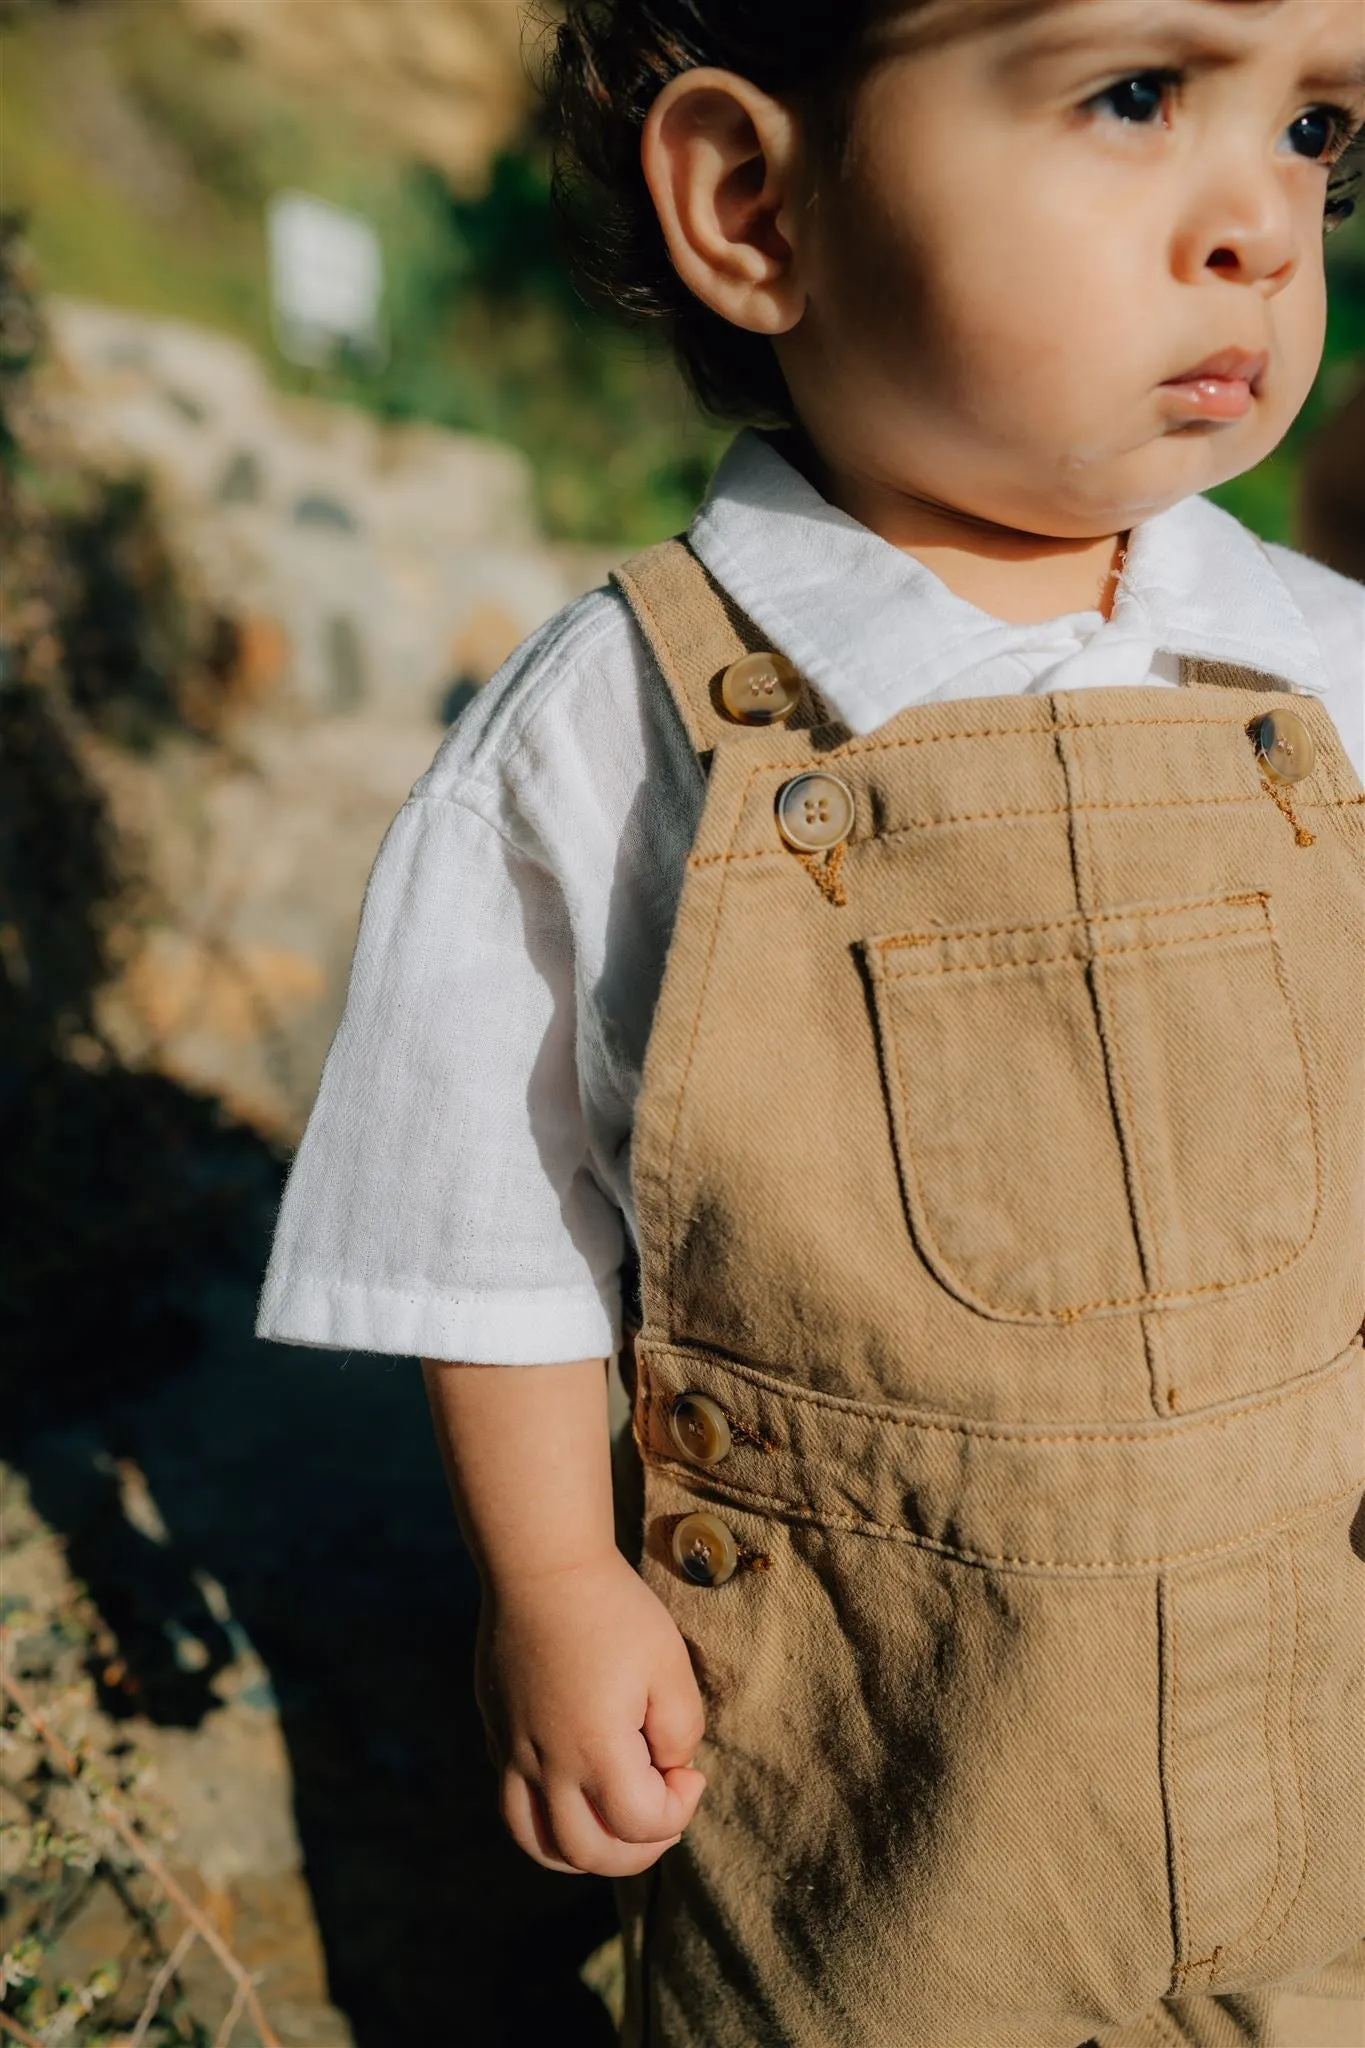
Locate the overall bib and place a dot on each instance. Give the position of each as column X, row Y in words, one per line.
column 1000, row 1387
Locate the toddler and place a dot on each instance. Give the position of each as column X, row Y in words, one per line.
column 918, row 917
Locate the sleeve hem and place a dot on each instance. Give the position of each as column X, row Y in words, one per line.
column 549, row 1326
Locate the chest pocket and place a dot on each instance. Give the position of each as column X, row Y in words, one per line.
column 1097, row 1115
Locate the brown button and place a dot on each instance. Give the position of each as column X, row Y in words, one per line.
column 704, row 1550
column 1284, row 746
column 762, row 689
column 700, row 1429
column 815, row 812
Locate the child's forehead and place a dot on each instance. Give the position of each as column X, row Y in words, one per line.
column 907, row 26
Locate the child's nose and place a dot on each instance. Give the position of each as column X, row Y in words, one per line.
column 1245, row 230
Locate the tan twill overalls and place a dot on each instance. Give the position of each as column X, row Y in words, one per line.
column 999, row 1173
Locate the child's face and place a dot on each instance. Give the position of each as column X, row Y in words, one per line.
column 1047, row 226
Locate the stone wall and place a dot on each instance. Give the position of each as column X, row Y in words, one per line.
column 371, row 577
column 447, row 80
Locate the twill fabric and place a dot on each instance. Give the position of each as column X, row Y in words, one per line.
column 999, row 1179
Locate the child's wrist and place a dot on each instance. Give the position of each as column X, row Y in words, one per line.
column 509, row 1580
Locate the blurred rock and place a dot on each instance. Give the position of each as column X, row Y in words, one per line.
column 364, row 574
column 448, row 80
column 373, row 551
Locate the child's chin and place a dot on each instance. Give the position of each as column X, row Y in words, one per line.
column 1181, row 464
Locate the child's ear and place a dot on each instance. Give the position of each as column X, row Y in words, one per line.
column 722, row 162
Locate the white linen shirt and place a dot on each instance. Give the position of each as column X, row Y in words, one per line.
column 463, row 1187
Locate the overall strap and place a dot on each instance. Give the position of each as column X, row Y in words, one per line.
column 696, row 631
column 1196, row 673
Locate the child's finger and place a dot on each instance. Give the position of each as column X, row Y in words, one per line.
column 687, row 1786
column 675, row 1720
column 528, row 1824
column 637, row 1803
column 589, row 1844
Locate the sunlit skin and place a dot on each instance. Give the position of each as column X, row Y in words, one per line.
column 1036, row 223
column 986, row 306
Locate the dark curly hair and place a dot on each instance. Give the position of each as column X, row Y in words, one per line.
column 608, row 62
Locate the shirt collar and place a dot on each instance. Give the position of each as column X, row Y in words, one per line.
column 876, row 631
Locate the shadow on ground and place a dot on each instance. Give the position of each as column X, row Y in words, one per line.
column 309, row 1486
column 135, row 1219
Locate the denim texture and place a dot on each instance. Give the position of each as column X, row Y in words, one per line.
column 1003, row 1184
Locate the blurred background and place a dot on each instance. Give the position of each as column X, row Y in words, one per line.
column 302, row 428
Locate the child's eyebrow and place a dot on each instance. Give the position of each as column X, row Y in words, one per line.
column 1332, row 77
column 1189, row 33
column 1212, row 33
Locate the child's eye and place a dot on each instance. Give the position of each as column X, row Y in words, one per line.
column 1140, row 100
column 1322, row 134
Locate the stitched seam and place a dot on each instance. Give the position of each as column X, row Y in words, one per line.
column 1183, row 1965
column 1305, row 1067
column 1166, row 1739
column 1231, row 931
column 1186, row 1426
column 696, row 728
column 1156, row 1360
column 1074, row 1311
column 670, row 1151
column 1264, row 1944
column 663, row 647
column 1340, row 823
column 1151, row 1296
column 1081, row 862
column 1144, row 1216
column 1163, row 803
column 1348, row 836
column 1156, row 803
column 1271, row 1771
column 1274, row 1654
column 1061, row 924
column 895, row 1532
column 872, row 745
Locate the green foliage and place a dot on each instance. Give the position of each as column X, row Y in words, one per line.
column 1265, row 497
column 487, row 334
column 489, row 337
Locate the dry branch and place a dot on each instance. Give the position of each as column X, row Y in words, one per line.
column 18, row 2033
column 234, row 2013
column 114, row 1818
column 158, row 1986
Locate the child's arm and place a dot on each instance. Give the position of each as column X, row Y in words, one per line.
column 585, row 1685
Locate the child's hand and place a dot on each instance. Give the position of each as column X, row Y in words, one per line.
column 593, row 1717
column 586, row 1688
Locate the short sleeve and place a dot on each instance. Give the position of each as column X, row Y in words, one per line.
column 441, row 1203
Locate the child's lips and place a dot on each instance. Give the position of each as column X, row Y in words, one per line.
column 1221, row 388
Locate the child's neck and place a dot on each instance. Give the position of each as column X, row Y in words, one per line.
column 1018, row 577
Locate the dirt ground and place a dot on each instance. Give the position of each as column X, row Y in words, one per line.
column 307, row 1487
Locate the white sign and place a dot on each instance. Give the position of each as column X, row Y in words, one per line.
column 326, row 280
